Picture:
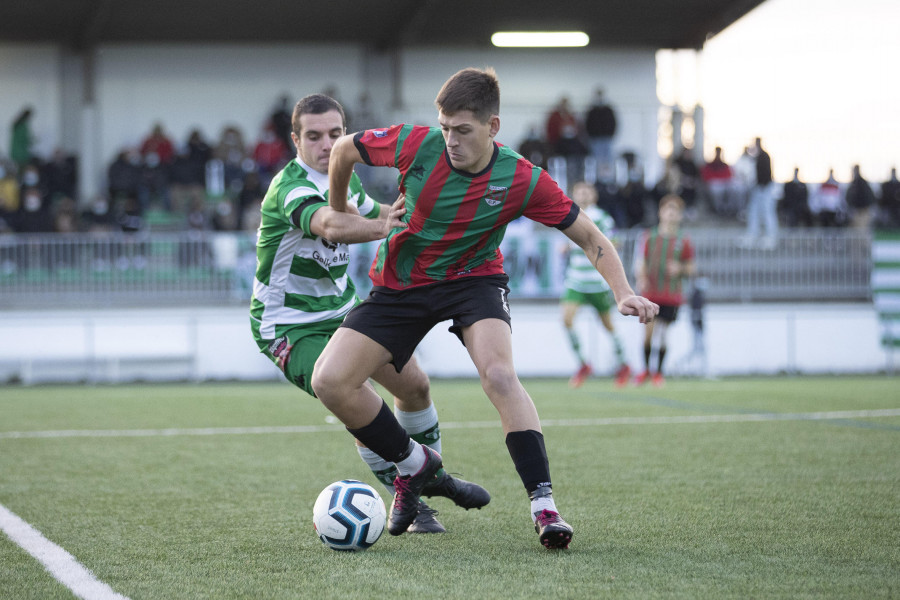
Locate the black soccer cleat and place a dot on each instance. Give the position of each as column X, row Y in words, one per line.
column 407, row 490
column 554, row 533
column 425, row 521
column 464, row 493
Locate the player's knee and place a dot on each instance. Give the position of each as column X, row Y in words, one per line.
column 325, row 383
column 499, row 379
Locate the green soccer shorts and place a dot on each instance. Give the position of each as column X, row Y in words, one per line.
column 602, row 301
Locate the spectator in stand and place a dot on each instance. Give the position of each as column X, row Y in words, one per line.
column 828, row 204
column 795, row 205
column 182, row 189
column 281, row 121
column 21, row 139
column 564, row 135
column 534, row 148
column 609, row 197
column 860, row 199
column 34, row 214
column 248, row 202
column 130, row 215
column 97, row 218
column 65, row 220
column 158, row 143
column 198, row 154
column 669, row 183
column 762, row 209
column 689, row 181
column 600, row 126
column 224, row 217
column 717, row 177
column 155, row 179
column 124, row 176
column 889, row 201
column 633, row 196
column 61, row 175
column 270, row 154
column 744, row 179
column 9, row 195
column 232, row 152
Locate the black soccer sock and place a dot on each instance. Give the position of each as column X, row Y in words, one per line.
column 662, row 356
column 384, row 436
column 530, row 458
column 648, row 349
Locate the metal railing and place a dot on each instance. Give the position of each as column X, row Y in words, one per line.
column 158, row 269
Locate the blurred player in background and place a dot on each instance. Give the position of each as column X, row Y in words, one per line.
column 302, row 290
column 665, row 258
column 586, row 287
column 461, row 189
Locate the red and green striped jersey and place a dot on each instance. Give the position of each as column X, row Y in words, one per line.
column 456, row 219
column 657, row 251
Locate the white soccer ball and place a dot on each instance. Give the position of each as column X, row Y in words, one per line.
column 349, row 515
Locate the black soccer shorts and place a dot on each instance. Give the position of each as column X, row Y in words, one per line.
column 400, row 319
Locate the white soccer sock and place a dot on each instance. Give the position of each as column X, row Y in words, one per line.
column 424, row 422
column 542, row 503
column 413, row 463
column 378, row 466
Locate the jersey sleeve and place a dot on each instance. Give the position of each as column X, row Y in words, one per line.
column 301, row 214
column 548, row 204
column 378, row 147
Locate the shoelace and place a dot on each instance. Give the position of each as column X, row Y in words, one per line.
column 401, row 488
column 546, row 517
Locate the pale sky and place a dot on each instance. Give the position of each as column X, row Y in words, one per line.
column 817, row 80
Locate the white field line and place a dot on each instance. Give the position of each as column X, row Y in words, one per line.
column 57, row 561
column 686, row 419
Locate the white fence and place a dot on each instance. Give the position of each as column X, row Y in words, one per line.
column 216, row 269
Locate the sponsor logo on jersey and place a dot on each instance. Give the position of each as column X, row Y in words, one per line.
column 379, row 133
column 417, row 172
column 495, row 195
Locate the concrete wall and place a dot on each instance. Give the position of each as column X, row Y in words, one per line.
column 215, row 343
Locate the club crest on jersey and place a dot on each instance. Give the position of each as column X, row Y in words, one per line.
column 495, row 195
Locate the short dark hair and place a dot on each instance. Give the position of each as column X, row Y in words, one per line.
column 477, row 90
column 315, row 104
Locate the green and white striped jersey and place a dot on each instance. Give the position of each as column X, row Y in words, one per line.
column 581, row 275
column 301, row 278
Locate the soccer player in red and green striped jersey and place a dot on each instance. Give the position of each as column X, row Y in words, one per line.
column 666, row 258
column 462, row 189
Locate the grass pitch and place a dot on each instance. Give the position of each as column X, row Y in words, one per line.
column 738, row 488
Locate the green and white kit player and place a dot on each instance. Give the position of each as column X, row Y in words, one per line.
column 302, row 290
column 585, row 286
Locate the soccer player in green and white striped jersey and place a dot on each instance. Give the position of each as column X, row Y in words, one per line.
column 586, row 287
column 302, row 291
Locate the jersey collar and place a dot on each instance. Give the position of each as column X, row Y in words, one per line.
column 487, row 169
column 320, row 179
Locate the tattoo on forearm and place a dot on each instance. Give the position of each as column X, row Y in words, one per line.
column 599, row 256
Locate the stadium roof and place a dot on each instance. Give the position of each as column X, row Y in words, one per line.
column 384, row 24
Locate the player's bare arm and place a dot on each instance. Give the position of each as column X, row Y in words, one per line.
column 606, row 260
column 350, row 228
column 340, row 168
